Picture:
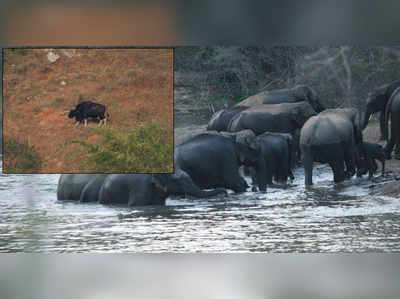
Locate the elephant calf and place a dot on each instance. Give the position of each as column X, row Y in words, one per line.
column 373, row 151
column 277, row 155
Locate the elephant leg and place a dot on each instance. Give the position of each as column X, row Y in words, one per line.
column 308, row 167
column 291, row 176
column 382, row 126
column 397, row 151
column 253, row 174
column 397, row 142
column 338, row 170
column 349, row 160
column 268, row 176
column 236, row 183
column 374, row 166
column 389, row 148
column 246, row 171
column 383, row 166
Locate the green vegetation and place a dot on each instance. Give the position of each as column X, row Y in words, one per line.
column 20, row 157
column 143, row 149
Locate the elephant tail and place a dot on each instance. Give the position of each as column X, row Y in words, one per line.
column 388, row 110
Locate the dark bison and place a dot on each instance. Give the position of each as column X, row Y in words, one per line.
column 88, row 109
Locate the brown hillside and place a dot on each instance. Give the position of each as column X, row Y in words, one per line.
column 136, row 85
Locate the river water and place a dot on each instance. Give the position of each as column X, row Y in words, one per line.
column 324, row 219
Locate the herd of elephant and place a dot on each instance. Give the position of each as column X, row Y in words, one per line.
column 267, row 134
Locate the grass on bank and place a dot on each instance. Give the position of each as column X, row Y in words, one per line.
column 20, row 157
column 144, row 149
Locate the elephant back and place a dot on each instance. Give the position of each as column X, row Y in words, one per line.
column 326, row 128
column 281, row 118
column 270, row 97
column 70, row 186
column 220, row 119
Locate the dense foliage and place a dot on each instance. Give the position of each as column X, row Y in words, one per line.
column 143, row 149
column 342, row 75
column 20, row 157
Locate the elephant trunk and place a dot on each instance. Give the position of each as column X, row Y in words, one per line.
column 365, row 119
column 190, row 188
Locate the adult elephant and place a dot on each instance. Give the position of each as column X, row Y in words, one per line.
column 131, row 189
column 277, row 151
column 393, row 112
column 298, row 93
column 80, row 187
column 213, row 161
column 333, row 136
column 377, row 102
column 279, row 118
column 220, row 120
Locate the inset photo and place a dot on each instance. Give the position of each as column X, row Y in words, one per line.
column 88, row 110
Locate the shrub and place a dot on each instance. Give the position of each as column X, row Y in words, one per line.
column 20, row 157
column 143, row 149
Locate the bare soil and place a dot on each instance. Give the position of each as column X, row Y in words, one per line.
column 136, row 85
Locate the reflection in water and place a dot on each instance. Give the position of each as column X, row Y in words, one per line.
column 323, row 219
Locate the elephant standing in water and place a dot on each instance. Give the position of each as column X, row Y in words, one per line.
column 296, row 94
column 130, row 189
column 80, row 187
column 277, row 154
column 377, row 102
column 213, row 161
column 279, row 118
column 393, row 111
column 334, row 137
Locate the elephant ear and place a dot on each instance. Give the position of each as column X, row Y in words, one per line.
column 301, row 92
column 248, row 138
column 377, row 94
column 302, row 113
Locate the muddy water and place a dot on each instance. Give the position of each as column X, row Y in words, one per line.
column 324, row 219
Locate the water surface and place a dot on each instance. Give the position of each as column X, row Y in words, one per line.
column 324, row 219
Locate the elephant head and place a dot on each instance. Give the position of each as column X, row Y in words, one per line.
column 376, row 102
column 309, row 95
column 301, row 112
column 180, row 183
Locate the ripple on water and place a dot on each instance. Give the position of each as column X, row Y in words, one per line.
column 322, row 219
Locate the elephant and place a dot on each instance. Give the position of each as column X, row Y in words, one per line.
column 80, row 187
column 220, row 120
column 213, row 160
column 367, row 163
column 393, row 111
column 377, row 102
column 278, row 118
column 298, row 93
column 130, row 189
column 277, row 154
column 334, row 137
